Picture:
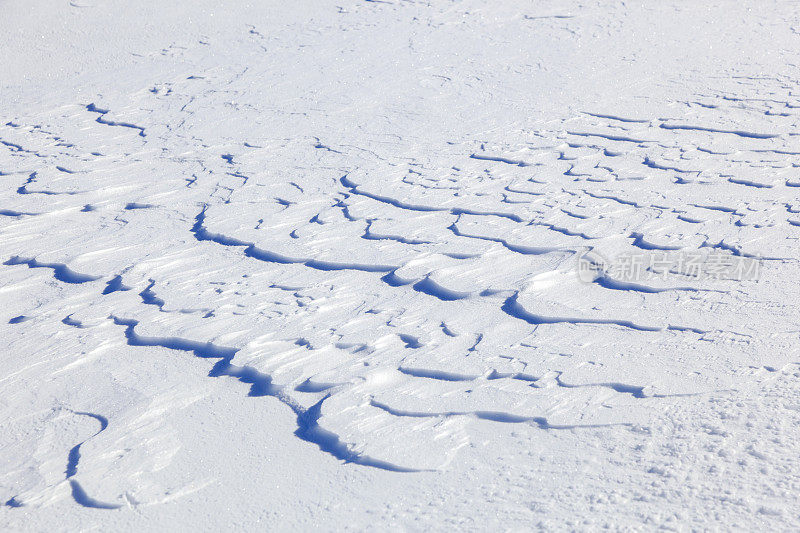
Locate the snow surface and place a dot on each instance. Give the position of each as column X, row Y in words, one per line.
column 294, row 265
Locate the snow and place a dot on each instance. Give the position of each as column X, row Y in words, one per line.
column 399, row 264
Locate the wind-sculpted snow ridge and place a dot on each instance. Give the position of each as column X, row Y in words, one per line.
column 103, row 120
column 78, row 494
column 60, row 271
column 423, row 289
column 260, row 385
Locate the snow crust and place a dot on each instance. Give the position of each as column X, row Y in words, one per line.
column 294, row 265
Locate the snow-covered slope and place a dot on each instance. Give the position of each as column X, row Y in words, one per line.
column 399, row 264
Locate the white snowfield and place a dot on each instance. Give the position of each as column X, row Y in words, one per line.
column 399, row 264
